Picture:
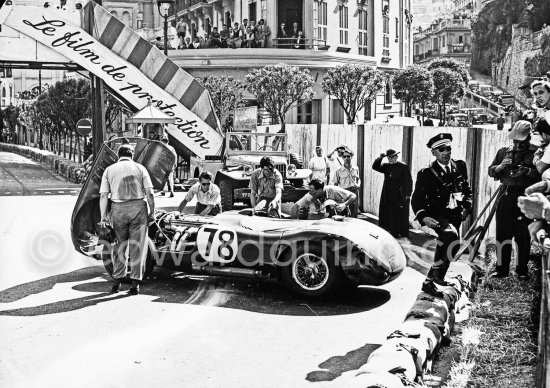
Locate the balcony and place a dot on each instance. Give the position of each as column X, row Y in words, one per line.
column 459, row 49
column 245, row 58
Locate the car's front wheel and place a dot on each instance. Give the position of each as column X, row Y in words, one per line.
column 310, row 272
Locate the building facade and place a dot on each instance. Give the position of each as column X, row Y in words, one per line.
column 376, row 33
column 445, row 38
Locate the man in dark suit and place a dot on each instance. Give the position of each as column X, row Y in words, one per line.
column 441, row 200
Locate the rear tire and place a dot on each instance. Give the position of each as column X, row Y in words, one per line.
column 226, row 193
column 309, row 274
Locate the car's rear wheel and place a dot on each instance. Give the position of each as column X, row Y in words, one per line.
column 150, row 260
column 310, row 273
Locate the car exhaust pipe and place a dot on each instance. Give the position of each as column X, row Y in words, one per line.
column 226, row 271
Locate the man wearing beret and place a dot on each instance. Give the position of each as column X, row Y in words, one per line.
column 513, row 167
column 441, row 200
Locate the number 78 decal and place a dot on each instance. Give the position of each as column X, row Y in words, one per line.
column 217, row 245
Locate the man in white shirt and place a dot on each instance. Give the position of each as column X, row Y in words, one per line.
column 208, row 196
column 319, row 193
column 319, row 166
column 349, row 178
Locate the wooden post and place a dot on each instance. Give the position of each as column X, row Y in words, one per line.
column 361, row 162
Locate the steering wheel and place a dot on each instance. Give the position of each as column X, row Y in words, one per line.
column 264, row 147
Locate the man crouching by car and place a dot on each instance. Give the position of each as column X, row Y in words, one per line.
column 129, row 184
column 319, row 193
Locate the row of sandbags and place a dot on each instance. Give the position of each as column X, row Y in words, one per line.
column 60, row 165
column 409, row 350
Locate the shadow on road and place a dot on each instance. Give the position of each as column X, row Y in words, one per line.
column 336, row 365
column 267, row 297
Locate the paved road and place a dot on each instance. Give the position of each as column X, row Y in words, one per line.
column 22, row 176
column 60, row 327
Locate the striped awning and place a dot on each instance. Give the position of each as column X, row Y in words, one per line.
column 124, row 41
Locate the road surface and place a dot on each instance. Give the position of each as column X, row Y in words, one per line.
column 61, row 327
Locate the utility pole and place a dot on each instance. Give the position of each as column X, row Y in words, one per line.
column 98, row 109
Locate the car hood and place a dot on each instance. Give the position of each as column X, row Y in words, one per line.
column 153, row 155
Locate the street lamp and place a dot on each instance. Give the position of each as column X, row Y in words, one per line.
column 164, row 6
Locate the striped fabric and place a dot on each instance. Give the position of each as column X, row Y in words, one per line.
column 123, row 41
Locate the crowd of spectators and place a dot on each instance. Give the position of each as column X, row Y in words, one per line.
column 249, row 34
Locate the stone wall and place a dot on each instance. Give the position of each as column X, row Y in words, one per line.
column 509, row 74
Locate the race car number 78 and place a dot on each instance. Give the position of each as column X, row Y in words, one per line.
column 217, row 245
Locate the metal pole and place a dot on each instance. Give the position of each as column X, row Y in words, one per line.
column 98, row 119
column 165, row 34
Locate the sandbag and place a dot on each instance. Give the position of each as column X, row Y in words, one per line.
column 392, row 356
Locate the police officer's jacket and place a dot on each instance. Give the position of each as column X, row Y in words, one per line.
column 433, row 190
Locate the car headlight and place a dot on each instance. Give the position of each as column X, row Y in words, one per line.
column 248, row 170
column 291, row 169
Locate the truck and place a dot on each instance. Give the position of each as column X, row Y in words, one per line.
column 240, row 156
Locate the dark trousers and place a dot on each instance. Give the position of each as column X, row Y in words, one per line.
column 215, row 210
column 447, row 246
column 511, row 223
column 130, row 224
column 354, row 206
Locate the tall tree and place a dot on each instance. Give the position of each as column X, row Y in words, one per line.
column 278, row 88
column 354, row 86
column 413, row 85
column 451, row 64
column 226, row 93
column 448, row 85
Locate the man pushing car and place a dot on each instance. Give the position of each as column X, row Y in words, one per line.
column 342, row 199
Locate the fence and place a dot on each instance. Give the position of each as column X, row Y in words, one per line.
column 476, row 146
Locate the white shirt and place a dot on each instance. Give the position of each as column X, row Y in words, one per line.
column 318, row 165
column 211, row 197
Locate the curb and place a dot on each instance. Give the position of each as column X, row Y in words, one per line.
column 59, row 165
column 410, row 350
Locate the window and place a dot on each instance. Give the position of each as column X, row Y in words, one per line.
column 388, row 93
column 343, row 11
column 363, row 17
column 460, row 39
column 320, row 20
column 305, row 113
column 386, row 31
column 263, row 10
column 443, row 41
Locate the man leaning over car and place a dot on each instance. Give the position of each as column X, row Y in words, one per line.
column 266, row 183
column 319, row 193
column 129, row 184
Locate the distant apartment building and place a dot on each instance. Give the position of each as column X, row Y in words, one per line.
column 445, row 38
column 426, row 11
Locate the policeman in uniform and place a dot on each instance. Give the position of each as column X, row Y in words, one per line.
column 513, row 166
column 441, row 200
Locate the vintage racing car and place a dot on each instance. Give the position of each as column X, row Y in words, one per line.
column 311, row 257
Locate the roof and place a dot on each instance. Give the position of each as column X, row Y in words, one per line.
column 151, row 114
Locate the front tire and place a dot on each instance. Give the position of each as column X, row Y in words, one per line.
column 310, row 273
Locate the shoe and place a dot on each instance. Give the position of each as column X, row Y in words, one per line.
column 134, row 290
column 171, row 195
column 443, row 283
column 431, row 288
column 162, row 193
column 115, row 289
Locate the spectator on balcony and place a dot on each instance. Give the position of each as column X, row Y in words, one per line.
column 295, row 30
column 196, row 44
column 262, row 33
column 243, row 28
column 282, row 36
column 181, row 28
column 253, row 26
column 204, row 41
column 187, row 43
column 158, row 43
column 250, row 38
column 299, row 41
column 215, row 39
column 224, row 35
column 232, row 38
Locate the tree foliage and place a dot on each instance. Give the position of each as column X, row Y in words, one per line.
column 451, row 64
column 113, row 109
column 354, row 86
column 413, row 85
column 278, row 88
column 539, row 64
column 449, row 86
column 226, row 94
